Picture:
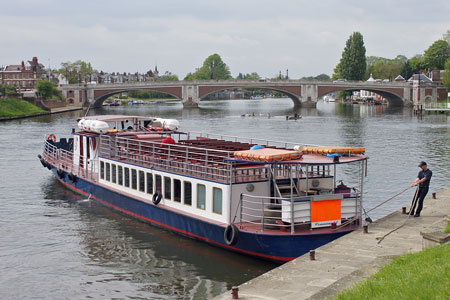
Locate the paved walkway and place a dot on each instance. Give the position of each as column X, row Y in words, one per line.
column 348, row 260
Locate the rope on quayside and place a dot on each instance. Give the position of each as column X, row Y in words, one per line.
column 373, row 208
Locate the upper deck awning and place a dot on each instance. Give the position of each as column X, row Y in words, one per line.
column 310, row 159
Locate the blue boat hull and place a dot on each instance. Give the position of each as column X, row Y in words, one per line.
column 278, row 248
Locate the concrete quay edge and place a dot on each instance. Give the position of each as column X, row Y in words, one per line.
column 350, row 259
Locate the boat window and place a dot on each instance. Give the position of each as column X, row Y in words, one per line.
column 108, row 172
column 177, row 190
column 150, row 183
column 142, row 181
column 187, row 193
column 113, row 173
column 102, row 170
column 120, row 175
column 201, row 196
column 158, row 183
column 217, row 200
column 167, row 188
column 127, row 177
column 134, row 179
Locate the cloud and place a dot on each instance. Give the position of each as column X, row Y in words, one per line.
column 263, row 36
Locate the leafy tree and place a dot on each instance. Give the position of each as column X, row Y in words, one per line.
column 47, row 89
column 417, row 63
column 437, row 54
column 79, row 71
column 168, row 76
column 6, row 90
column 251, row 76
column 406, row 71
column 213, row 69
column 446, row 36
column 386, row 69
column 446, row 79
column 321, row 77
column 352, row 65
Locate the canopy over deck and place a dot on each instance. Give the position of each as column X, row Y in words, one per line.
column 310, row 159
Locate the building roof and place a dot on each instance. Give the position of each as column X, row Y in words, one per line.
column 13, row 68
column 399, row 78
column 420, row 77
column 370, row 78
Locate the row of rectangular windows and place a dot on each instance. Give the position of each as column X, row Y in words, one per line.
column 143, row 181
column 17, row 76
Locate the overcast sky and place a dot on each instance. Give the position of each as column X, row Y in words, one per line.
column 306, row 37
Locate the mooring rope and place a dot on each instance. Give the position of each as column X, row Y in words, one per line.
column 373, row 208
column 413, row 204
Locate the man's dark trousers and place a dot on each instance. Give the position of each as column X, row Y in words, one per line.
column 423, row 191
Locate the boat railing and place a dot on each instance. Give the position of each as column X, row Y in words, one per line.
column 262, row 142
column 288, row 214
column 199, row 162
column 64, row 160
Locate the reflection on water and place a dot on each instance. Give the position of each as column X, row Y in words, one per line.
column 54, row 244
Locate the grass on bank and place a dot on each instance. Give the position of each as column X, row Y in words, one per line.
column 422, row 275
column 447, row 229
column 13, row 107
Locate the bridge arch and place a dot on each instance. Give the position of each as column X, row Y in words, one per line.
column 394, row 98
column 211, row 90
column 98, row 101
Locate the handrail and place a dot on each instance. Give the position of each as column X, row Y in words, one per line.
column 64, row 160
column 251, row 140
column 283, row 213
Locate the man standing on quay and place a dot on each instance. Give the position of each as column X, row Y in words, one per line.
column 423, row 181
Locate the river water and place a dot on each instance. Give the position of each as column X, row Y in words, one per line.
column 55, row 244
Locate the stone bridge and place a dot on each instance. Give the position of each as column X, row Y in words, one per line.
column 302, row 92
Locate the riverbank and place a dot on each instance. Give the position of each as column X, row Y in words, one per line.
column 351, row 259
column 12, row 109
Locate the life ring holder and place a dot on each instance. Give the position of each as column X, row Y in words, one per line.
column 52, row 137
column 231, row 235
column 156, row 198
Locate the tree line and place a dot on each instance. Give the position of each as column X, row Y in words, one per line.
column 354, row 65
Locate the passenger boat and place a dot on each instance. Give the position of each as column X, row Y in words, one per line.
column 263, row 198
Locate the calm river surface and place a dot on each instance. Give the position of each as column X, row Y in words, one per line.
column 56, row 245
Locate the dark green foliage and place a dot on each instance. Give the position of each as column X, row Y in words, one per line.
column 352, row 65
column 79, row 71
column 437, row 54
column 6, row 90
column 321, row 77
column 47, row 89
column 446, row 80
column 149, row 95
column 251, row 76
column 213, row 69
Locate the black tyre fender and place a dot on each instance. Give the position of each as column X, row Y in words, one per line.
column 60, row 173
column 231, row 235
column 72, row 177
column 156, row 198
column 49, row 166
column 44, row 164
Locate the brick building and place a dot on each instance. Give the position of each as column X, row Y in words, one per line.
column 23, row 76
